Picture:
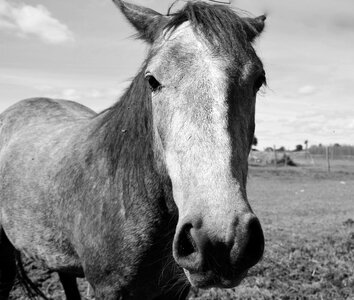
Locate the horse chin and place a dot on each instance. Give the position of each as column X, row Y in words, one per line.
column 209, row 279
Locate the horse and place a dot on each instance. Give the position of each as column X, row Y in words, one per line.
column 148, row 197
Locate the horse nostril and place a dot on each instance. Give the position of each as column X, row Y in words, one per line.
column 186, row 245
column 255, row 245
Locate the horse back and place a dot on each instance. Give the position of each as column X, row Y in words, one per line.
column 40, row 110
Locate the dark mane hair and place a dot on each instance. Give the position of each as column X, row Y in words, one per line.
column 219, row 24
column 125, row 129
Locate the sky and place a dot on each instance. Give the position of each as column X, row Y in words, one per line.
column 83, row 50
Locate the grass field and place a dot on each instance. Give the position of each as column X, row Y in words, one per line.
column 308, row 221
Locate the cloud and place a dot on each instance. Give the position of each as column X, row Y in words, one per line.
column 26, row 20
column 326, row 127
column 77, row 94
column 344, row 21
column 97, row 99
column 307, row 90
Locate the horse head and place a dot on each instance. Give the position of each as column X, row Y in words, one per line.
column 204, row 76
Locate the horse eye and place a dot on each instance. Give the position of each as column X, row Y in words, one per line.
column 259, row 82
column 154, row 84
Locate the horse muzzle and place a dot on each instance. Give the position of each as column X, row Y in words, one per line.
column 212, row 258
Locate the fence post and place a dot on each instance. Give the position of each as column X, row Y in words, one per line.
column 327, row 158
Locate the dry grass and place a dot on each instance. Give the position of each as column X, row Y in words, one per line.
column 308, row 221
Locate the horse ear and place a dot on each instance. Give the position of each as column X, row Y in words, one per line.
column 254, row 26
column 145, row 20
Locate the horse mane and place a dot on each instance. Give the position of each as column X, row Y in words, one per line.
column 125, row 129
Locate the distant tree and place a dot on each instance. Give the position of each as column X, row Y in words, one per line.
column 281, row 149
column 336, row 145
column 268, row 149
column 255, row 141
column 306, row 146
column 299, row 147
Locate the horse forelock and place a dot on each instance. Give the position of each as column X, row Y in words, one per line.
column 221, row 26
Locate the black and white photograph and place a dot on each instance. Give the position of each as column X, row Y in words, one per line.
column 176, row 150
